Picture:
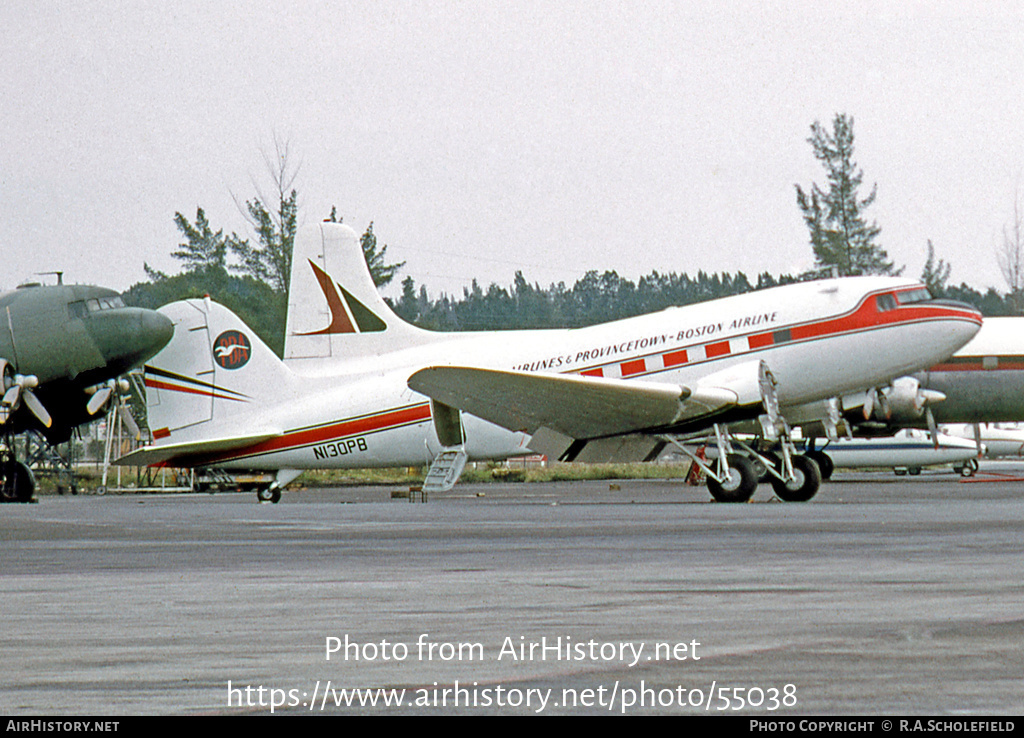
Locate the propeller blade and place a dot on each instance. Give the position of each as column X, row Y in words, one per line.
column 869, row 403
column 37, row 408
column 933, row 429
column 11, row 398
column 98, row 400
column 128, row 420
column 884, row 406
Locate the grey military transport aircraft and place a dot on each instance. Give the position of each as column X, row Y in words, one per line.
column 60, row 348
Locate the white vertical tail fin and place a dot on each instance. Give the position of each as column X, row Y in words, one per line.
column 334, row 309
column 214, row 371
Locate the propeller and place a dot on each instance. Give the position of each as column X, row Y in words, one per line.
column 119, row 389
column 902, row 401
column 875, row 399
column 17, row 389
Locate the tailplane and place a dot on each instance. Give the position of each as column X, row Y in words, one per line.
column 334, row 309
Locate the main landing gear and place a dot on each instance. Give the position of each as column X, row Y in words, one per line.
column 735, row 466
column 18, row 483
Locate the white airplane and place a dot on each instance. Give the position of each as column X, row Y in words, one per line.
column 909, row 449
column 996, row 442
column 362, row 388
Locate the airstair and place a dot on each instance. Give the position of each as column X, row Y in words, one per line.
column 444, row 472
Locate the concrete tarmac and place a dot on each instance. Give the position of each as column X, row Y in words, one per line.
column 882, row 596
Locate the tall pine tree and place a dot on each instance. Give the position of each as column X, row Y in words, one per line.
column 840, row 234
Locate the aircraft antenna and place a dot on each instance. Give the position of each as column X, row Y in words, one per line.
column 59, row 275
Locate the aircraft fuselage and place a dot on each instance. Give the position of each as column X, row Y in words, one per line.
column 819, row 340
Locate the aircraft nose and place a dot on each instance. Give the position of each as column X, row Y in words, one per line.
column 129, row 336
column 961, row 331
column 156, row 330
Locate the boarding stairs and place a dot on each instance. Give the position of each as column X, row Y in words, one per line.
column 445, row 470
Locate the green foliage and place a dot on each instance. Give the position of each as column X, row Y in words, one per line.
column 841, row 237
column 381, row 272
column 594, row 298
column 259, row 306
column 202, row 247
column 990, row 303
column 271, row 260
column 935, row 275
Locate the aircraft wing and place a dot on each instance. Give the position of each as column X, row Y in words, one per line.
column 582, row 407
column 150, row 455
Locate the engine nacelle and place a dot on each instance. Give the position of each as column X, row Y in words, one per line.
column 904, row 401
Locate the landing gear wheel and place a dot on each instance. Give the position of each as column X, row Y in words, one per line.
column 824, row 463
column 739, row 486
column 805, row 483
column 19, row 484
column 269, row 494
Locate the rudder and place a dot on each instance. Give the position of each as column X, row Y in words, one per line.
column 334, row 308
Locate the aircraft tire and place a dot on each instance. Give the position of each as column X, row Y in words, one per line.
column 269, row 494
column 19, row 484
column 805, row 484
column 740, row 485
column 824, row 462
column 968, row 469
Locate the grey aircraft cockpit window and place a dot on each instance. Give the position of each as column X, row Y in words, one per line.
column 911, row 296
column 82, row 308
column 885, row 302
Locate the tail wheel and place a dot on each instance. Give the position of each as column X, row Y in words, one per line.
column 805, row 483
column 269, row 494
column 740, row 483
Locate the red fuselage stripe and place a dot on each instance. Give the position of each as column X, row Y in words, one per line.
column 291, row 440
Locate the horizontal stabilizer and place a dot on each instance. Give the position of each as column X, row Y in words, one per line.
column 151, row 455
column 579, row 407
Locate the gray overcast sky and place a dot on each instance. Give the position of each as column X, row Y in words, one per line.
column 486, row 137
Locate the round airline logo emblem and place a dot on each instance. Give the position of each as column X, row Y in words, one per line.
column 232, row 349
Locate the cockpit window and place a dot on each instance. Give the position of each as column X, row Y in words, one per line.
column 885, row 302
column 105, row 303
column 909, row 297
column 82, row 308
